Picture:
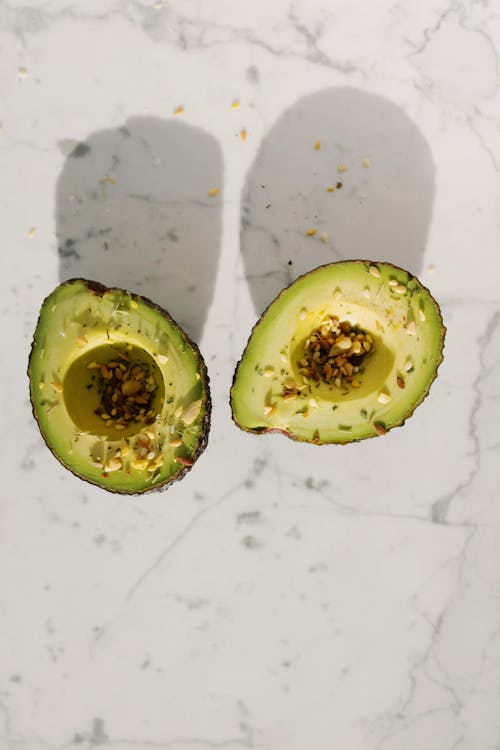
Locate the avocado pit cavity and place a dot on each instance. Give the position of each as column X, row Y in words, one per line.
column 335, row 353
column 113, row 389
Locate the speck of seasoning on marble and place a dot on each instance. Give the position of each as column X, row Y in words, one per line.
column 31, row 233
column 22, row 73
column 179, row 110
column 324, row 237
column 341, row 168
column 367, row 163
column 213, row 192
column 243, row 134
column 317, row 146
column 311, row 232
column 235, row 104
column 330, row 189
column 432, row 268
column 250, row 542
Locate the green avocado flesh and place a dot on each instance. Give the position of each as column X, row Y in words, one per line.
column 344, row 353
column 119, row 391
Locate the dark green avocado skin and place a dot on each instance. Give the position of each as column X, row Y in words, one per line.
column 99, row 290
column 269, row 430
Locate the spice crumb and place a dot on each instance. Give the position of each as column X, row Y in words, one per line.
column 338, row 185
column 31, row 233
column 367, row 163
column 324, row 237
column 213, row 192
column 341, row 168
column 330, row 189
column 317, row 145
column 235, row 104
column 243, row 134
column 22, row 72
column 432, row 268
column 311, row 232
column 179, row 110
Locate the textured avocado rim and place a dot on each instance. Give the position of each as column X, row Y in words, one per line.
column 95, row 287
column 366, row 263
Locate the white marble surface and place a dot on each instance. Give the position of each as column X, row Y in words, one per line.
column 281, row 596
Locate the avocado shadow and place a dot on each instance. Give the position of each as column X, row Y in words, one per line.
column 342, row 174
column 133, row 210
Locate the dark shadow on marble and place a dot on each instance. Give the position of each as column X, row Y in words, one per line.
column 381, row 212
column 133, row 210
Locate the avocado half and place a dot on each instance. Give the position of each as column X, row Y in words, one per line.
column 119, row 392
column 346, row 352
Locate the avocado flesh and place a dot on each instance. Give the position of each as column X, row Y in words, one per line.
column 83, row 326
column 387, row 303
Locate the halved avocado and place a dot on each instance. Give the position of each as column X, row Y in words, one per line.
column 345, row 353
column 119, row 391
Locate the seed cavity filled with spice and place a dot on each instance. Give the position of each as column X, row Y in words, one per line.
column 127, row 390
column 335, row 354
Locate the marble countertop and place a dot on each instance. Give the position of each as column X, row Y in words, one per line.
column 282, row 596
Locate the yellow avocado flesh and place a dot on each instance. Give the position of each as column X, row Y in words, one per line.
column 386, row 302
column 83, row 326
